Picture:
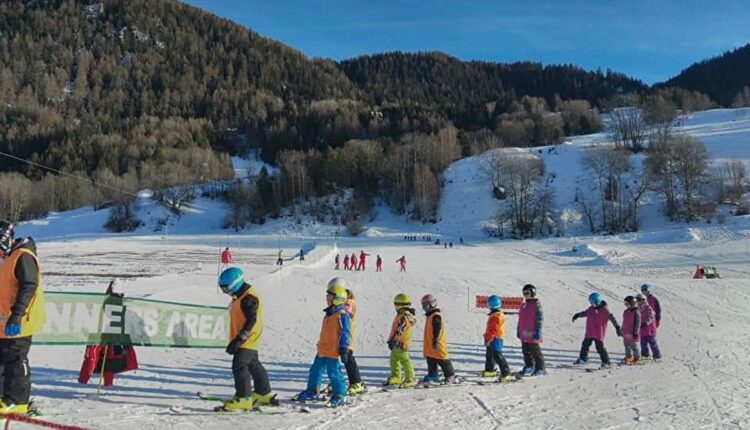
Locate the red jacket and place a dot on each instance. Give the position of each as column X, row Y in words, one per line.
column 226, row 257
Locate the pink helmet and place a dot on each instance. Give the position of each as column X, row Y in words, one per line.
column 429, row 302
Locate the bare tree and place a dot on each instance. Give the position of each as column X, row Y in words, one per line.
column 628, row 129
column 691, row 159
column 610, row 170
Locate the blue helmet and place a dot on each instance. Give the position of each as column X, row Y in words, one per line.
column 645, row 288
column 494, row 302
column 595, row 298
column 231, row 280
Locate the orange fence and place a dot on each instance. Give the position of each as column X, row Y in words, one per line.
column 510, row 304
column 24, row 419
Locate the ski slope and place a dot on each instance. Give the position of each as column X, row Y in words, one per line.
column 702, row 382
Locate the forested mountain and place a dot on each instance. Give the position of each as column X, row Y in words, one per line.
column 725, row 79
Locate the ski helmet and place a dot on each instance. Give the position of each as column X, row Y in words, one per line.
column 640, row 297
column 429, row 302
column 646, row 288
column 531, row 289
column 401, row 301
column 630, row 300
column 595, row 298
column 231, row 280
column 338, row 281
column 7, row 233
column 337, row 293
column 494, row 302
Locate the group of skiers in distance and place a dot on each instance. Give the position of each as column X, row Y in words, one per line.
column 360, row 263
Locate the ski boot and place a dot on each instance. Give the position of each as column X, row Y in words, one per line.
column 605, row 366
column 409, row 383
column 238, row 404
column 453, row 379
column 265, row 399
column 646, row 357
column 393, row 380
column 431, row 379
column 357, row 388
column 579, row 362
column 538, row 372
column 506, row 378
column 488, row 374
column 630, row 361
column 528, row 371
column 336, row 401
column 22, row 409
column 307, row 396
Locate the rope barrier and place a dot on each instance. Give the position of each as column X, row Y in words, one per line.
column 24, row 419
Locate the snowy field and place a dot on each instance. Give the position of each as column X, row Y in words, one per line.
column 702, row 382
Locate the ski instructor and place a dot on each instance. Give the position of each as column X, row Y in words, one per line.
column 22, row 315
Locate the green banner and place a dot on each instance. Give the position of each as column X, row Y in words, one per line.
column 92, row 319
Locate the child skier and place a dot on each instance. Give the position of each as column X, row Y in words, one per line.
column 337, row 261
column 378, row 264
column 653, row 302
column 245, row 329
column 353, row 262
column 494, row 336
column 530, row 318
column 631, row 327
column 280, row 258
column 399, row 341
column 346, row 262
column 434, row 347
column 362, row 259
column 352, row 369
column 333, row 343
column 648, row 329
column 596, row 316
column 402, row 261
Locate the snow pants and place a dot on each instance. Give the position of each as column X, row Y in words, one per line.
column 400, row 359
column 445, row 365
column 15, row 375
column 603, row 354
column 631, row 350
column 333, row 368
column 532, row 356
column 647, row 341
column 352, row 369
column 246, row 365
column 493, row 357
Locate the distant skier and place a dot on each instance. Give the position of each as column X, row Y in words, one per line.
column 648, row 329
column 402, row 262
column 378, row 264
column 226, row 258
column 434, row 348
column 301, row 254
column 530, row 319
column 362, row 259
column 597, row 316
column 245, row 330
column 337, row 261
column 399, row 341
column 631, row 328
column 450, row 244
column 280, row 258
column 494, row 339
column 332, row 345
column 346, row 262
column 353, row 262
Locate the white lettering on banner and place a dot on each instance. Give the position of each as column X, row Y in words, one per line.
column 85, row 321
column 173, row 321
column 151, row 322
column 134, row 322
column 191, row 323
column 220, row 331
column 113, row 319
column 204, row 326
column 60, row 320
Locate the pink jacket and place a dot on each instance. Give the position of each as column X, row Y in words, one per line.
column 631, row 325
column 648, row 320
column 596, row 321
column 529, row 321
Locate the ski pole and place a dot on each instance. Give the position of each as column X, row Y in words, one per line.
column 709, row 318
column 101, row 371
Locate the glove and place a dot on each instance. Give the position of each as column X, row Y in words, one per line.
column 391, row 344
column 619, row 332
column 234, row 346
column 537, row 334
column 518, row 333
column 344, row 353
column 575, row 317
column 434, row 345
column 13, row 326
column 636, row 338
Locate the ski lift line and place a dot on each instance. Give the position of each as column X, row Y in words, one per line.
column 80, row 178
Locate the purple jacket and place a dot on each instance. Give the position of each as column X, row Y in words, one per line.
column 530, row 319
column 654, row 303
column 631, row 325
column 648, row 321
column 596, row 321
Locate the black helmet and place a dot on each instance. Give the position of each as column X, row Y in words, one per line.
column 6, row 236
column 530, row 288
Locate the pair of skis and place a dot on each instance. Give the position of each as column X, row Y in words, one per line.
column 276, row 408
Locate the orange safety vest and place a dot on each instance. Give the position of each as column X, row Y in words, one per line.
column 237, row 320
column 495, row 327
column 330, row 334
column 441, row 352
column 35, row 315
column 401, row 330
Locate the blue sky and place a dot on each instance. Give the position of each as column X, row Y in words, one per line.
column 651, row 40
